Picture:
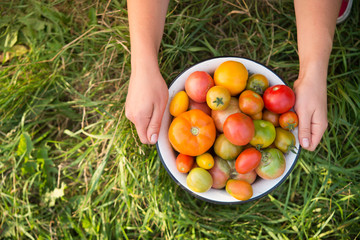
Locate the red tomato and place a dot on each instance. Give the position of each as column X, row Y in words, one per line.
column 192, row 132
column 220, row 116
column 289, row 120
column 239, row 189
column 247, row 160
column 184, row 163
column 239, row 129
column 197, row 85
column 250, row 102
column 279, row 98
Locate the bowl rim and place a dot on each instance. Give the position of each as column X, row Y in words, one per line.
column 237, row 201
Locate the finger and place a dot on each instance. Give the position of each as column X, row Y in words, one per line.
column 318, row 127
column 140, row 123
column 305, row 129
column 154, row 125
column 141, row 128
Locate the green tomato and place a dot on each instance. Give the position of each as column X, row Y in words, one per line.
column 285, row 140
column 199, row 180
column 264, row 134
column 225, row 149
column 272, row 164
column 257, row 83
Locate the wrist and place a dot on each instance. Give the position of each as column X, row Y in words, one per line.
column 311, row 70
column 144, row 63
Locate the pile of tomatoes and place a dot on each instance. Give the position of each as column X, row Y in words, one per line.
column 231, row 128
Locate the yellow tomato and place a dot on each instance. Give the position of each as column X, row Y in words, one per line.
column 205, row 161
column 218, row 98
column 179, row 103
column 232, row 75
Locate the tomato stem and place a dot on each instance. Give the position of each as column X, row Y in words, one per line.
column 194, row 131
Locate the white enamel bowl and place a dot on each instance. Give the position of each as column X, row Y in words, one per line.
column 167, row 155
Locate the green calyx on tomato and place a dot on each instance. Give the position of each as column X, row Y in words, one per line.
column 218, row 101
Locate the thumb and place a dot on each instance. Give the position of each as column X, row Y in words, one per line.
column 305, row 130
column 154, row 125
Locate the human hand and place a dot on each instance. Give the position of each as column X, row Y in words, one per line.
column 311, row 107
column 145, row 103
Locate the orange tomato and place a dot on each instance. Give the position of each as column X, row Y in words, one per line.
column 184, row 163
column 205, row 161
column 289, row 120
column 271, row 117
column 257, row 116
column 218, row 98
column 250, row 102
column 239, row 189
column 179, row 103
column 192, row 132
column 232, row 75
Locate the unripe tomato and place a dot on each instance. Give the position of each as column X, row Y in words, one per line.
column 289, row 120
column 199, row 180
column 285, row 140
column 264, row 134
column 184, row 163
column 272, row 164
column 179, row 103
column 197, row 85
column 205, row 161
column 225, row 149
column 239, row 189
column 279, row 98
column 239, row 129
column 218, row 98
column 247, row 160
column 232, row 75
column 257, row 83
column 250, row 102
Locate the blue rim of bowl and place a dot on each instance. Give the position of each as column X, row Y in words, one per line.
column 238, row 201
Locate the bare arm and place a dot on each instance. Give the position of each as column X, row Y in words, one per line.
column 147, row 94
column 316, row 22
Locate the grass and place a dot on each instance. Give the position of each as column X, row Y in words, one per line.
column 72, row 167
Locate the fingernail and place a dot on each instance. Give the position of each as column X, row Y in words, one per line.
column 305, row 142
column 153, row 138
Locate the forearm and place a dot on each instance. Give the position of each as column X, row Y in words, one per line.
column 146, row 23
column 316, row 22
